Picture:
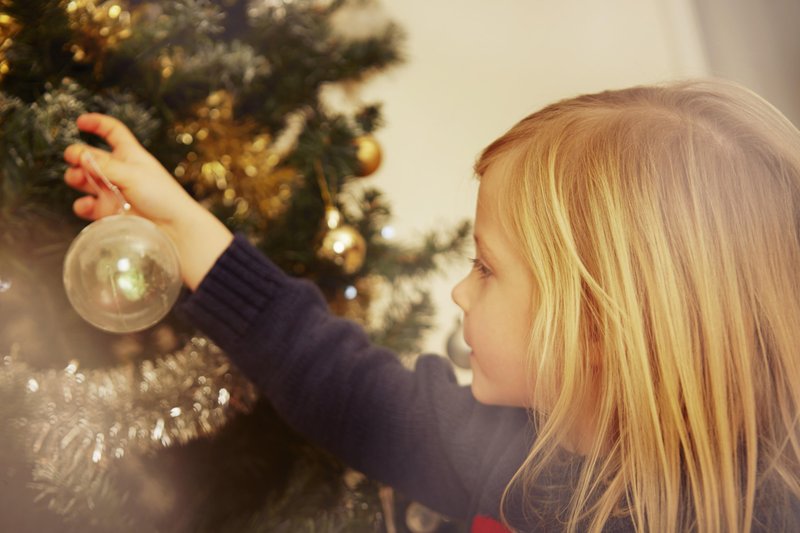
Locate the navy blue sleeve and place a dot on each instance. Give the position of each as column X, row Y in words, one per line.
column 417, row 430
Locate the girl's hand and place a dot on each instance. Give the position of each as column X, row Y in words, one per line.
column 144, row 183
column 152, row 192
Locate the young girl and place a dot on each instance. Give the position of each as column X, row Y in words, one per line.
column 633, row 315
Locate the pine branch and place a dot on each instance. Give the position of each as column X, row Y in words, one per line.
column 392, row 260
column 405, row 322
column 39, row 53
column 304, row 54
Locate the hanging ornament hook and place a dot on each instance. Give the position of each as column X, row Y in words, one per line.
column 341, row 244
column 323, row 184
column 94, row 172
column 333, row 217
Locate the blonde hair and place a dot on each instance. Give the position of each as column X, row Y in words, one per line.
column 661, row 227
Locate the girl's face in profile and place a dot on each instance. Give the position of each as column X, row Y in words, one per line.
column 496, row 297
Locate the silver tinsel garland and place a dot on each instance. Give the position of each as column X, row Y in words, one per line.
column 74, row 425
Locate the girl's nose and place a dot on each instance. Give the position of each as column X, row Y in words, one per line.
column 459, row 294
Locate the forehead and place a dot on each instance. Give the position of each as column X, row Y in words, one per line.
column 493, row 217
column 493, row 188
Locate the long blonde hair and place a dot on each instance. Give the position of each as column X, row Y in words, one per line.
column 661, row 227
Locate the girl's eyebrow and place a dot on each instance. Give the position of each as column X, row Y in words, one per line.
column 484, row 251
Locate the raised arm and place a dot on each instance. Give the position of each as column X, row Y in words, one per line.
column 152, row 192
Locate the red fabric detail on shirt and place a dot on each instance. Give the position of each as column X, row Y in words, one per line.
column 484, row 524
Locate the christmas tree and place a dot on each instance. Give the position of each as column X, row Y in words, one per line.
column 155, row 430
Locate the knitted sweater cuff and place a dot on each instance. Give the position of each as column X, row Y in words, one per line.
column 234, row 292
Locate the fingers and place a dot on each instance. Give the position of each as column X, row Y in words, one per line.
column 76, row 178
column 84, row 207
column 111, row 130
column 80, row 157
column 90, row 166
column 74, row 152
column 94, row 207
column 79, row 176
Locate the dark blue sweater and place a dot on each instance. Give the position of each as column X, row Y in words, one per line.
column 418, row 431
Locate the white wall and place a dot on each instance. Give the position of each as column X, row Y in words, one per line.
column 756, row 43
column 475, row 67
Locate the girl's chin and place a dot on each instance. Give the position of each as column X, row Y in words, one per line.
column 477, row 392
column 485, row 396
column 480, row 389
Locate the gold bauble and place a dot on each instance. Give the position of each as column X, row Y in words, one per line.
column 368, row 152
column 345, row 247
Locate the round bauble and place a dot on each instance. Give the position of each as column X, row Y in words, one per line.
column 368, row 153
column 345, row 247
column 122, row 274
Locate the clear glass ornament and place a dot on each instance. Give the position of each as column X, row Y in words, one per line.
column 121, row 273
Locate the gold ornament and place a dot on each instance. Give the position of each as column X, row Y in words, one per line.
column 341, row 244
column 368, row 152
column 8, row 29
column 232, row 163
column 101, row 25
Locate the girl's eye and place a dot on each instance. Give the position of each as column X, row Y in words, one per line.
column 481, row 268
